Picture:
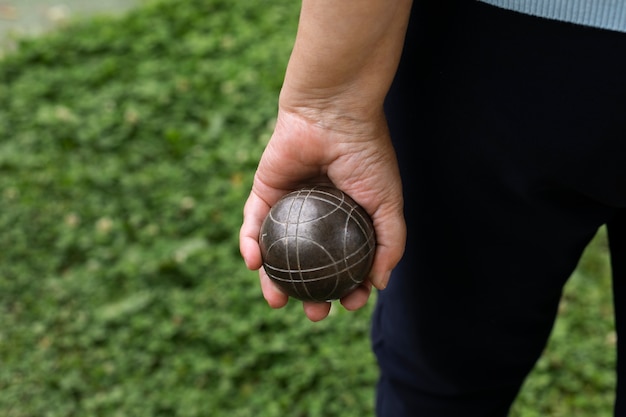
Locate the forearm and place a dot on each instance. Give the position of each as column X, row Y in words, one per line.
column 345, row 57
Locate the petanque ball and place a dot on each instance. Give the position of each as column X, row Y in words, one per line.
column 317, row 244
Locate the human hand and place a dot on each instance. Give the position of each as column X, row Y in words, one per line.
column 354, row 156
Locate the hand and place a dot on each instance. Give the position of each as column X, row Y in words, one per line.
column 354, row 156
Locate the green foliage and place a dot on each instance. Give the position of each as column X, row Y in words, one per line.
column 127, row 148
column 575, row 376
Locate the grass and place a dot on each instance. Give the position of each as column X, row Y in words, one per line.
column 127, row 147
column 575, row 376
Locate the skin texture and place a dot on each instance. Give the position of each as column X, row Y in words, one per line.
column 331, row 129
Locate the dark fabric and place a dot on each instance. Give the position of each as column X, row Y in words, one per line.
column 511, row 136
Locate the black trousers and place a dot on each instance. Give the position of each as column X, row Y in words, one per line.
column 511, row 135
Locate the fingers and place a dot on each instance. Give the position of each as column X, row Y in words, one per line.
column 254, row 213
column 390, row 243
column 353, row 301
column 388, row 254
column 277, row 299
column 357, row 298
column 313, row 310
column 316, row 311
column 272, row 294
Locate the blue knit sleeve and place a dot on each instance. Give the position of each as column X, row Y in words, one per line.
column 603, row 14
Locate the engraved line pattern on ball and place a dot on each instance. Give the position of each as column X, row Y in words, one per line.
column 329, row 201
column 352, row 211
column 320, row 268
column 346, row 228
column 286, row 237
column 303, row 238
column 300, row 275
column 298, row 238
column 351, row 215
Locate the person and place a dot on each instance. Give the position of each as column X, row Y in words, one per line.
column 487, row 140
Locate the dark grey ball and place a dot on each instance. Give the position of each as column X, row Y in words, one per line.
column 317, row 244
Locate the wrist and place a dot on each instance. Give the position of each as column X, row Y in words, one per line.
column 343, row 120
column 345, row 112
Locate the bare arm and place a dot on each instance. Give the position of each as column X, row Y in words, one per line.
column 331, row 128
column 345, row 56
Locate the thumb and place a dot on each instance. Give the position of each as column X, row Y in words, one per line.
column 390, row 243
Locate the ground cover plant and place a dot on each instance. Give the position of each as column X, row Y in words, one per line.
column 127, row 147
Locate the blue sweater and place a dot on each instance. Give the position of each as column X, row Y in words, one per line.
column 603, row 14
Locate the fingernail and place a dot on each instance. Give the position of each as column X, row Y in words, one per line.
column 381, row 282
